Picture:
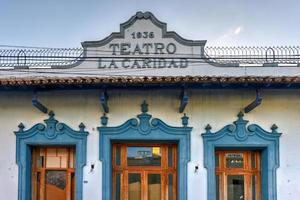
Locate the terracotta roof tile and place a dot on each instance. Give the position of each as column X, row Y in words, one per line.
column 73, row 81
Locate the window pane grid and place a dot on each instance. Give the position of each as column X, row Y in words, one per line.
column 237, row 175
column 53, row 173
column 157, row 181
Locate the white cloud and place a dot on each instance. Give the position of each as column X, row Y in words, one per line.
column 230, row 37
column 238, row 30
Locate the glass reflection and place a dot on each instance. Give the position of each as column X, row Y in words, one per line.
column 235, row 187
column 217, row 188
column 170, row 156
column 154, row 187
column 170, row 187
column 56, row 185
column 253, row 187
column 144, row 156
column 234, row 160
column 118, row 187
column 134, row 186
column 253, row 162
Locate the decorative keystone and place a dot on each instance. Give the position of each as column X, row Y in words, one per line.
column 185, row 120
column 144, row 107
column 81, row 127
column 21, row 127
column 208, row 128
column 274, row 128
column 104, row 119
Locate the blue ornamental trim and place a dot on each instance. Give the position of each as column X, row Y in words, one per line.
column 49, row 134
column 144, row 129
column 240, row 136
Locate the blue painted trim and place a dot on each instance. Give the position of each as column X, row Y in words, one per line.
column 145, row 129
column 240, row 136
column 50, row 133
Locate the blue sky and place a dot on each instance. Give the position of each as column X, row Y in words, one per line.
column 66, row 23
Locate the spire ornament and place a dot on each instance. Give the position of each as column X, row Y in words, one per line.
column 208, row 128
column 185, row 120
column 104, row 119
column 144, row 107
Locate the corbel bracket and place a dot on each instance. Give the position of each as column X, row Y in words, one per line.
column 104, row 101
column 36, row 103
column 184, row 99
column 254, row 103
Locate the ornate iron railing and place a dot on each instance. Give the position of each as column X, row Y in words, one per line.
column 47, row 57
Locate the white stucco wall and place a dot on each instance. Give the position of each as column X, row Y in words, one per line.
column 216, row 107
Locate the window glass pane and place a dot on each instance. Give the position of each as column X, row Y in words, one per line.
column 62, row 152
column 53, row 162
column 118, row 155
column 253, row 160
column 217, row 160
column 234, row 160
column 144, row 156
column 39, row 161
column 72, row 158
column 134, row 186
column 55, row 185
column 73, row 187
column 35, row 189
column 170, row 187
column 118, row 187
column 154, row 187
column 64, row 162
column 51, row 151
column 170, row 156
column 253, row 187
column 39, row 157
column 235, row 187
column 217, row 187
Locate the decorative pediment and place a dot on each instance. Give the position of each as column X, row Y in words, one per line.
column 51, row 129
column 144, row 17
column 240, row 131
column 144, row 123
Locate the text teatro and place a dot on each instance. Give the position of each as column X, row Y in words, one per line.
column 143, row 55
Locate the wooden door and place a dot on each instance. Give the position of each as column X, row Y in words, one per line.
column 144, row 171
column 53, row 173
column 238, row 175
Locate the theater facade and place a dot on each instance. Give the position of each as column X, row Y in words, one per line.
column 145, row 114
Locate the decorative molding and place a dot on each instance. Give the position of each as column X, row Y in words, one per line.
column 121, row 35
column 144, row 128
column 240, row 136
column 155, row 21
column 50, row 133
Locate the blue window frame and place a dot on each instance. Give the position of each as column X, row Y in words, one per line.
column 51, row 134
column 240, row 136
column 144, row 129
